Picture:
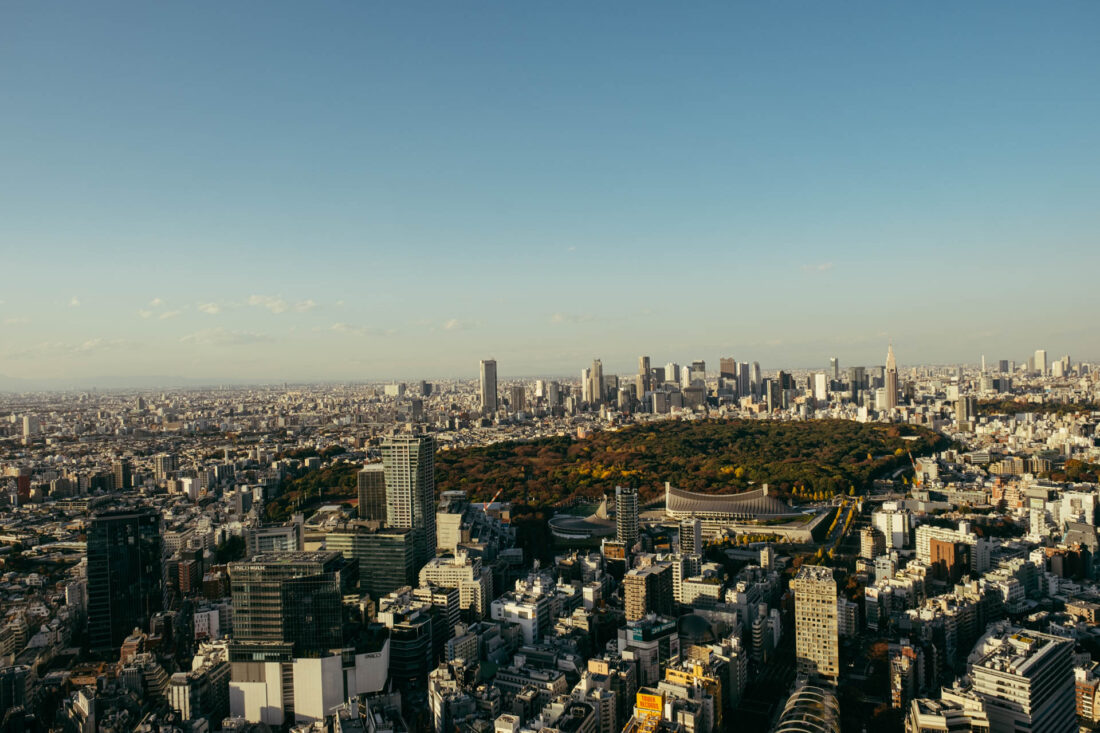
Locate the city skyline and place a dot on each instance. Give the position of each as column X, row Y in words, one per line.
column 246, row 210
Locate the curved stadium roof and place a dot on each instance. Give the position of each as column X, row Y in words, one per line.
column 750, row 504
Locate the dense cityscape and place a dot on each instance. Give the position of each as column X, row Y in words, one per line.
column 286, row 557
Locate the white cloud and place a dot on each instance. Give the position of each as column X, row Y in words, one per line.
column 156, row 303
column 16, row 320
column 304, row 306
column 456, row 325
column 222, row 337
column 820, row 267
column 169, row 314
column 210, row 309
column 145, row 313
column 74, row 302
column 273, row 304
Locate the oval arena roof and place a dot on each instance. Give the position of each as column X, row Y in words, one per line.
column 754, row 503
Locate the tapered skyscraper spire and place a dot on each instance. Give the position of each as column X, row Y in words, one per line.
column 891, row 379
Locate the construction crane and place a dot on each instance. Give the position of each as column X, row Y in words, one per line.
column 485, row 507
column 916, row 471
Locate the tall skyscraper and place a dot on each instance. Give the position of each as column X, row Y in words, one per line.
column 372, row 492
column 410, row 490
column 595, row 375
column 518, row 398
column 644, row 381
column 815, row 622
column 124, row 476
column 857, row 380
column 1041, row 362
column 31, row 427
column 891, row 379
column 834, row 369
column 626, row 515
column 727, row 368
column 754, row 379
column 125, row 576
column 966, row 410
column 164, row 466
column 744, row 379
column 488, row 386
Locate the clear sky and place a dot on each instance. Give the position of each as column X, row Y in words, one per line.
column 366, row 190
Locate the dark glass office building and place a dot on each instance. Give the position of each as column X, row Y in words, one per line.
column 288, row 605
column 125, row 576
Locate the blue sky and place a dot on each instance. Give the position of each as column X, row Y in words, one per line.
column 367, row 190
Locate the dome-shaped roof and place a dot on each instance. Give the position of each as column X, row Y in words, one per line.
column 694, row 629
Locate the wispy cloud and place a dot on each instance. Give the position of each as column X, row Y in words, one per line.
column 74, row 302
column 210, row 309
column 145, row 313
column 156, row 303
column 571, row 318
column 223, row 337
column 16, row 320
column 169, row 314
column 455, row 324
column 304, row 306
column 272, row 303
column 820, row 267
column 359, row 330
column 60, row 349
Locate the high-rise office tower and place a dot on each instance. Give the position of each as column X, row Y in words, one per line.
column 698, row 372
column 648, row 590
column 626, row 515
column 643, row 366
column 672, row 372
column 164, row 466
column 125, row 576
column 488, row 386
column 31, row 427
column 744, row 379
column 372, row 492
column 518, row 398
column 821, row 387
column 595, row 375
column 385, row 556
column 857, row 380
column 967, row 410
column 891, row 379
column 1002, row 366
column 124, row 476
column 410, row 490
column 754, row 379
column 1025, row 678
column 1041, row 362
column 834, row 369
column 727, row 368
column 815, row 622
column 287, row 605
